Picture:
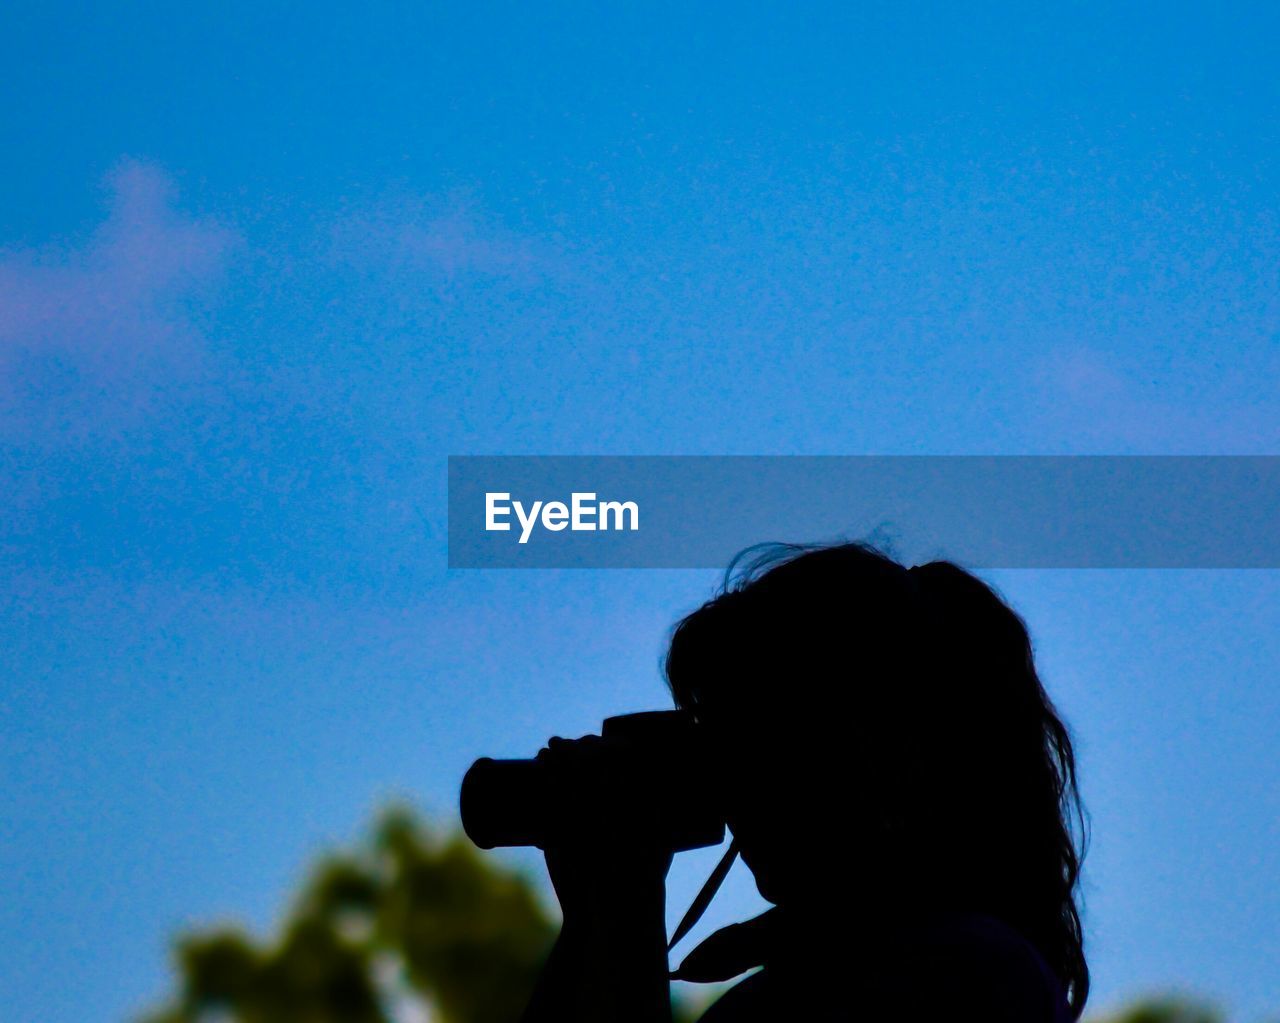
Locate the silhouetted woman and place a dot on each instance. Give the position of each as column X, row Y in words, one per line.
column 898, row 782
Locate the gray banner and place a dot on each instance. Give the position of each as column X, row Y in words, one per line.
column 983, row 511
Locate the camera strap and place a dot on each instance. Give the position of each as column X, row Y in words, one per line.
column 703, row 899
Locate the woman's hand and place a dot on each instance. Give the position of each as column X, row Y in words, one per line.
column 607, row 852
column 609, row 873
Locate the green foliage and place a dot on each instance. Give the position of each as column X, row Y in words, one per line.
column 1170, row 1009
column 409, row 915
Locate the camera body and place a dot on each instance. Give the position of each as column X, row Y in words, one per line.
column 652, row 771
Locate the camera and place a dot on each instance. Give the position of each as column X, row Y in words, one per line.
column 653, row 771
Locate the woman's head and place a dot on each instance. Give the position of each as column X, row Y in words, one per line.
column 896, row 715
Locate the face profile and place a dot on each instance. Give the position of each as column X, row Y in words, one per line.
column 891, row 718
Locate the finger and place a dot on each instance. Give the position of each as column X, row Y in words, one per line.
column 558, row 745
column 557, row 751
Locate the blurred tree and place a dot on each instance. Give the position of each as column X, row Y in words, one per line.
column 408, row 919
column 1171, row 1009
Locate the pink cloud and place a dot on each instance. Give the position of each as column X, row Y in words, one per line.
column 446, row 238
column 1093, row 402
column 87, row 328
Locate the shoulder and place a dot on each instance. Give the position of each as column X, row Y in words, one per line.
column 954, row 969
column 771, row 995
column 990, row 971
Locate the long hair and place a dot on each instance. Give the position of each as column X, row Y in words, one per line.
column 917, row 689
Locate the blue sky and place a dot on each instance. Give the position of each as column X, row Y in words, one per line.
column 262, row 270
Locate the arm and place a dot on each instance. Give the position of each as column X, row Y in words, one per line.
column 610, row 960
column 609, row 964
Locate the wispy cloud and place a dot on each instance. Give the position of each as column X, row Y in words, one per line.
column 448, row 238
column 1092, row 401
column 100, row 325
